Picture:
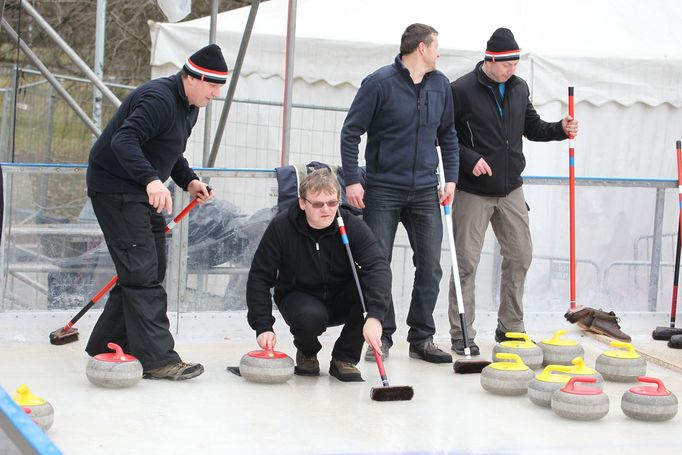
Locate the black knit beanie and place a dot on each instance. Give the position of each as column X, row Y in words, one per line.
column 207, row 64
column 502, row 46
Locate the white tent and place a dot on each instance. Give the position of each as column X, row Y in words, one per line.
column 624, row 58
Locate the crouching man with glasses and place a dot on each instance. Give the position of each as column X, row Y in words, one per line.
column 301, row 256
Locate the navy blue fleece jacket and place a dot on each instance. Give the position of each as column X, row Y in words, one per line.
column 403, row 123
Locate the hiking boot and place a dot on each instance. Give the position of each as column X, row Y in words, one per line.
column 429, row 352
column 582, row 316
column 369, row 353
column 607, row 324
column 306, row 365
column 175, row 371
column 458, row 347
column 345, row 371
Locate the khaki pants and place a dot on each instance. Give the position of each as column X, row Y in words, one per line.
column 509, row 219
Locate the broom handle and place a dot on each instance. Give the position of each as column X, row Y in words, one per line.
column 107, row 287
column 346, row 243
column 447, row 217
column 673, row 308
column 571, row 201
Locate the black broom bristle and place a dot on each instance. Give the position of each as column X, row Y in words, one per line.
column 469, row 366
column 61, row 336
column 675, row 342
column 664, row 333
column 391, row 393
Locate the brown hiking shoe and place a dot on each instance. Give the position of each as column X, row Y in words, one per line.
column 175, row 371
column 582, row 316
column 306, row 365
column 345, row 371
column 607, row 324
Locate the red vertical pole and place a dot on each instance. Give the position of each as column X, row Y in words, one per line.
column 673, row 310
column 571, row 199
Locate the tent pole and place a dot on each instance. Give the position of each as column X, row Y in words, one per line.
column 209, row 109
column 233, row 83
column 288, row 83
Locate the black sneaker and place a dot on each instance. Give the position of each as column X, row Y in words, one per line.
column 175, row 371
column 345, row 371
column 429, row 352
column 458, row 347
column 306, row 365
column 369, row 353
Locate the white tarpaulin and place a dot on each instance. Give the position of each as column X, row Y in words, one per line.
column 624, row 58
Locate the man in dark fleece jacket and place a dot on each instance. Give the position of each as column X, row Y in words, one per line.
column 139, row 149
column 406, row 110
column 493, row 112
column 301, row 255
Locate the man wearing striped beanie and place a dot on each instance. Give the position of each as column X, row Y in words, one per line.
column 141, row 147
column 492, row 114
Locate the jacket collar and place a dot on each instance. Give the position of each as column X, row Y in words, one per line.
column 181, row 91
column 402, row 69
column 485, row 80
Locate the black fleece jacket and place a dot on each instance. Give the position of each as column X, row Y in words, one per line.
column 144, row 140
column 289, row 259
column 484, row 133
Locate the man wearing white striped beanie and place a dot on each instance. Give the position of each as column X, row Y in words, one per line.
column 493, row 113
column 142, row 147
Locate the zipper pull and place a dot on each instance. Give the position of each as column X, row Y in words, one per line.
column 317, row 246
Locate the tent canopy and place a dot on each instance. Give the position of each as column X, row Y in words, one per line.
column 622, row 51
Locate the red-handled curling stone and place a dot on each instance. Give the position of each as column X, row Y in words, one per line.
column 649, row 403
column 114, row 370
column 266, row 366
column 578, row 402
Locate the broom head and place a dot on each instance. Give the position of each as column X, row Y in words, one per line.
column 61, row 336
column 391, row 393
column 469, row 366
column 664, row 333
column 675, row 342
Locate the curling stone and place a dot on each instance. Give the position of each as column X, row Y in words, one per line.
column 40, row 411
column 578, row 368
column 544, row 384
column 623, row 365
column 578, row 402
column 506, row 378
column 529, row 352
column 114, row 370
column 560, row 351
column 649, row 403
column 266, row 366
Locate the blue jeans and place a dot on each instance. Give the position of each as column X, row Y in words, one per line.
column 419, row 211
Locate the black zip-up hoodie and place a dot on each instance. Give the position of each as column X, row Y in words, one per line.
column 144, row 140
column 484, row 133
column 288, row 258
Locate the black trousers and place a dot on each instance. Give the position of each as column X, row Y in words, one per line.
column 308, row 317
column 134, row 316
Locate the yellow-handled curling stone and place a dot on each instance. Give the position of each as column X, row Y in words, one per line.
column 560, row 351
column 544, row 384
column 40, row 410
column 578, row 368
column 524, row 347
column 506, row 378
column 622, row 365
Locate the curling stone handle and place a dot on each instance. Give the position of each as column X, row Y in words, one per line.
column 558, row 368
column 520, row 335
column 557, row 336
column 659, row 384
column 116, row 348
column 515, row 358
column 621, row 344
column 571, row 384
